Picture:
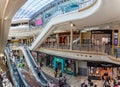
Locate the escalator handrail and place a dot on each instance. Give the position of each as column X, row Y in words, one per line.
column 37, row 66
column 31, row 58
column 32, row 69
column 10, row 68
column 21, row 76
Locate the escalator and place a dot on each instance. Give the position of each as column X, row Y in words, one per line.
column 17, row 77
column 45, row 76
column 37, row 72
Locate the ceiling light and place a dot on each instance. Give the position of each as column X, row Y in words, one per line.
column 72, row 25
column 1, row 54
column 6, row 18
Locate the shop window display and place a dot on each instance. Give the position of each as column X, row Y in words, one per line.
column 69, row 66
column 93, row 71
column 100, row 72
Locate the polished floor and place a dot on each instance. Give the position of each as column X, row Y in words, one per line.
column 74, row 81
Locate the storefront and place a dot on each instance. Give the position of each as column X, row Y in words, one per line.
column 101, row 37
column 66, row 65
column 61, row 64
column 102, row 70
column 49, row 61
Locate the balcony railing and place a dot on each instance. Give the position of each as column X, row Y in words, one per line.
column 107, row 49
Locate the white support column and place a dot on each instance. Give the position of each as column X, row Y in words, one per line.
column 71, row 39
column 115, row 72
column 57, row 38
column 77, row 66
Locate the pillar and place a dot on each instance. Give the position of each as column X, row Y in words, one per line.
column 47, row 60
column 68, row 39
column 83, row 69
column 80, row 40
column 115, row 72
column 119, row 36
column 57, row 38
column 76, row 64
column 113, row 42
column 71, row 39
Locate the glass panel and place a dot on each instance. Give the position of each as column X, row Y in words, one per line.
column 30, row 8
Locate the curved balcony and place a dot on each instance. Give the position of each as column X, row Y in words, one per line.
column 63, row 8
column 84, row 52
column 66, row 8
column 55, row 17
column 24, row 32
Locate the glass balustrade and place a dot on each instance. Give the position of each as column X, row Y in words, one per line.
column 115, row 52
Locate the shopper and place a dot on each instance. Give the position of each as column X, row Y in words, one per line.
column 64, row 80
column 83, row 84
column 115, row 82
column 60, row 75
column 55, row 74
column 95, row 85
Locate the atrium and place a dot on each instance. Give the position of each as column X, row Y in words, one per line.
column 60, row 43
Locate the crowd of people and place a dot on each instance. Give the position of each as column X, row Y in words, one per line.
column 108, row 82
column 62, row 79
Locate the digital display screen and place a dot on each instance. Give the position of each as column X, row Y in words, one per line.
column 115, row 41
column 39, row 22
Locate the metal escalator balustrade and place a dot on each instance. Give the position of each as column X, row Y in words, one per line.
column 20, row 74
column 17, row 79
column 34, row 68
column 43, row 75
column 39, row 69
column 11, row 69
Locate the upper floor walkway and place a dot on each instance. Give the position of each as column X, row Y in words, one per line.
column 81, row 18
column 84, row 52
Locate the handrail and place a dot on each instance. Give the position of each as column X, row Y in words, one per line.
column 21, row 76
column 32, row 67
column 37, row 66
column 31, row 57
column 105, row 49
column 10, row 68
column 82, row 9
column 16, row 83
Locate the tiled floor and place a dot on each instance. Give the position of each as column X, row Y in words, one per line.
column 72, row 80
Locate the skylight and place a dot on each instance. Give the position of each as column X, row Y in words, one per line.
column 30, row 8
